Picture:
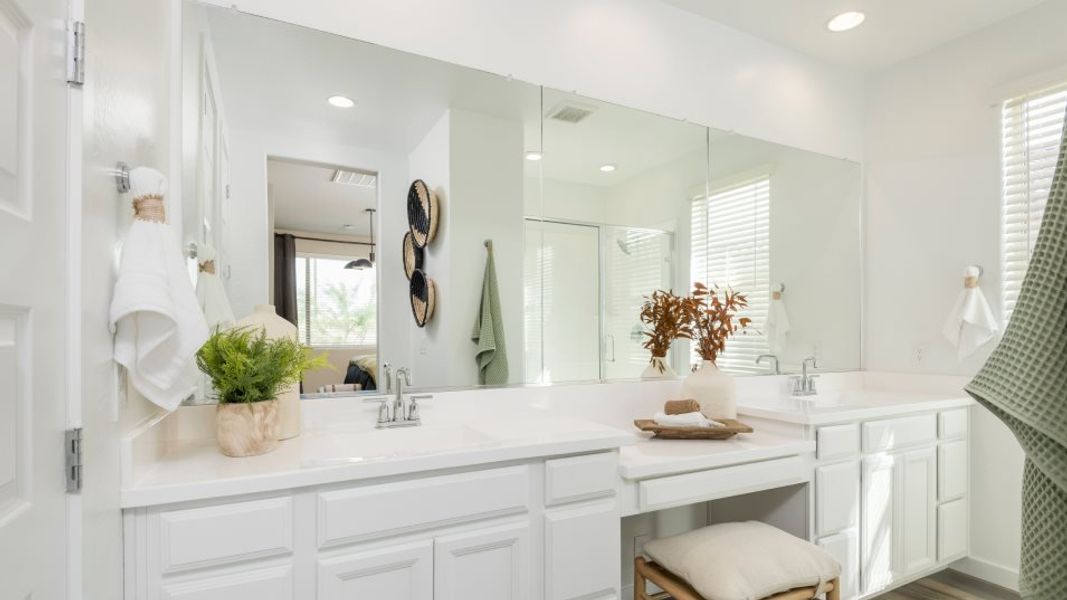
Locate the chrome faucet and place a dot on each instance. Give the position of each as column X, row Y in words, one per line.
column 403, row 377
column 759, row 361
column 804, row 385
column 392, row 411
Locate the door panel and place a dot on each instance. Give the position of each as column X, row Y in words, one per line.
column 917, row 517
column 582, row 551
column 844, row 547
column 877, row 522
column 837, row 497
column 488, row 564
column 33, row 290
column 952, row 530
column 403, row 572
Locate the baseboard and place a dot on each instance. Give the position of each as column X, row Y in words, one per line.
column 989, row 571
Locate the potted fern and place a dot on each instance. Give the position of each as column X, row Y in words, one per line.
column 716, row 321
column 668, row 318
column 248, row 370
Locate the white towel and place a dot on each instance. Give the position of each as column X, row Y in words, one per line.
column 157, row 321
column 209, row 290
column 692, row 419
column 971, row 323
column 777, row 325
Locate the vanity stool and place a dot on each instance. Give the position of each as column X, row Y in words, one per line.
column 737, row 561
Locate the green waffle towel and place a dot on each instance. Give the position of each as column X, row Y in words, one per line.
column 1024, row 383
column 491, row 355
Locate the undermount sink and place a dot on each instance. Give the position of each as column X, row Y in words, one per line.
column 355, row 445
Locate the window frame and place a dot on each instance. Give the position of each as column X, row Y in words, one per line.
column 304, row 308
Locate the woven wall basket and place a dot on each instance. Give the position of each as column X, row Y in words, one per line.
column 423, row 213
column 423, row 297
column 414, row 257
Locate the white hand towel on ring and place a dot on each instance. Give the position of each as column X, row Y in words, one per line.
column 155, row 315
column 971, row 323
column 777, row 325
column 209, row 289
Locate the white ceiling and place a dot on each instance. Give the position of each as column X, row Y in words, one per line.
column 306, row 200
column 894, row 30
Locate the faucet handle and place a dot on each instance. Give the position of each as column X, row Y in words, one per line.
column 811, row 383
column 798, row 384
column 413, row 407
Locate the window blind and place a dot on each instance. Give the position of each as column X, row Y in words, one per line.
column 1032, row 126
column 731, row 247
column 338, row 306
column 637, row 263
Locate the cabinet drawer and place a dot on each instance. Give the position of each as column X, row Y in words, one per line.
column 274, row 583
column 580, row 477
column 952, row 423
column 889, row 434
column 951, row 530
column 719, row 483
column 838, row 441
column 582, row 551
column 837, row 497
column 214, row 535
column 377, row 510
column 952, row 470
column 845, row 547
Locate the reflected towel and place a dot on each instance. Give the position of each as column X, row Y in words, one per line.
column 209, row 290
column 777, row 326
column 488, row 333
column 693, row 419
column 157, row 321
column 971, row 323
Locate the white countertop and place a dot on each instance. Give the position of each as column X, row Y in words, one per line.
column 651, row 457
column 849, row 405
column 194, row 470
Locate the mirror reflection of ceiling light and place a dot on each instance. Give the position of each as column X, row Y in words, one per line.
column 845, row 21
column 341, row 101
column 534, row 155
column 608, row 168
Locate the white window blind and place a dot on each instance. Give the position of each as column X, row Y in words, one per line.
column 637, row 262
column 1032, row 127
column 337, row 306
column 731, row 247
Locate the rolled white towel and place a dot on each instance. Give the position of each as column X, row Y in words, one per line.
column 693, row 419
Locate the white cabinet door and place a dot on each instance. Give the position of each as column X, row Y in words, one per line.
column 273, row 583
column 837, row 497
column 401, row 572
column 487, row 564
column 918, row 498
column 952, row 470
column 582, row 552
column 952, row 530
column 845, row 547
column 877, row 522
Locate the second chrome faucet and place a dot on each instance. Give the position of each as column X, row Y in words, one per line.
column 399, row 413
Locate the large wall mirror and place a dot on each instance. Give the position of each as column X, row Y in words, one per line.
column 295, row 195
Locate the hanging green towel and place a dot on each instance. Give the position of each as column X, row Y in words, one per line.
column 492, row 356
column 1024, row 383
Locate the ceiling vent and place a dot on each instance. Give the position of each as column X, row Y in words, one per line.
column 356, row 178
column 570, row 112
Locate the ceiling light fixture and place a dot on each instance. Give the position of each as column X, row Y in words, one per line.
column 608, row 168
column 341, row 101
column 534, row 155
column 845, row 21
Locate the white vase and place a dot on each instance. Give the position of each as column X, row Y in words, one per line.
column 658, row 368
column 714, row 390
column 265, row 317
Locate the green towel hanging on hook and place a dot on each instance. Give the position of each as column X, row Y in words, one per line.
column 491, row 354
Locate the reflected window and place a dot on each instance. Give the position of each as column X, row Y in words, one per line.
column 337, row 306
column 731, row 247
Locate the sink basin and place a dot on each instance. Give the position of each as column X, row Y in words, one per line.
column 357, row 445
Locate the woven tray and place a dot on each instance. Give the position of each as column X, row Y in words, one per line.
column 730, row 428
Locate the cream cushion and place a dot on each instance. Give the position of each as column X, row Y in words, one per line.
column 743, row 561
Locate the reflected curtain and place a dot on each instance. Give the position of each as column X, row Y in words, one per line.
column 285, row 276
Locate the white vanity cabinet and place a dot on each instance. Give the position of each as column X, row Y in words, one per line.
column 890, row 496
column 537, row 529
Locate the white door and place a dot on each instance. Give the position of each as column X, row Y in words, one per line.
column 486, row 564
column 877, row 521
column 33, row 292
column 399, row 572
column 918, row 517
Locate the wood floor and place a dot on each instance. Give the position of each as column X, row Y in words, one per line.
column 949, row 585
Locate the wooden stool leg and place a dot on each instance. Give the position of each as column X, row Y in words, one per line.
column 639, row 580
column 834, row 594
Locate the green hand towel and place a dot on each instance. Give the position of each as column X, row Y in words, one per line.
column 491, row 355
column 1024, row 383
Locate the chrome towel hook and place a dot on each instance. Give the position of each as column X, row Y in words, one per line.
column 122, row 177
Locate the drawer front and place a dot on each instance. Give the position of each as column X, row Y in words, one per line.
column 889, row 434
column 580, row 477
column 952, row 423
column 582, row 549
column 274, row 583
column 215, row 535
column 835, row 442
column 952, row 470
column 951, row 530
column 837, row 497
column 378, row 510
column 845, row 548
column 400, row 571
column 719, row 483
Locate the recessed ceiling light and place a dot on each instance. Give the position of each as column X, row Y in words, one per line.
column 534, row 155
column 341, row 101
column 846, row 21
column 608, row 168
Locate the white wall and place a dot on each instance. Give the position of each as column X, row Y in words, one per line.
column 671, row 62
column 932, row 176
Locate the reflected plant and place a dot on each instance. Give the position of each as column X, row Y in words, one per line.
column 669, row 317
column 716, row 318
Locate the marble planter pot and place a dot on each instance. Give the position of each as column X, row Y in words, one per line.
column 658, row 368
column 714, row 390
column 247, row 429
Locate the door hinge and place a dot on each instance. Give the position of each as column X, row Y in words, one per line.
column 76, row 53
column 72, row 442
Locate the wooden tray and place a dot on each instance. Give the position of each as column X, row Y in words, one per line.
column 730, row 429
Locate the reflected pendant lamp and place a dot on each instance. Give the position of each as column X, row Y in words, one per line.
column 365, row 263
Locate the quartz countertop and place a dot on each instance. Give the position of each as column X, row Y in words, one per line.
column 850, row 405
